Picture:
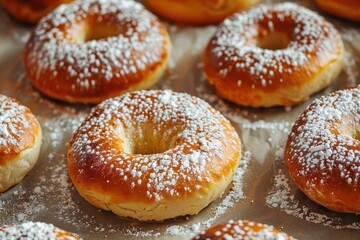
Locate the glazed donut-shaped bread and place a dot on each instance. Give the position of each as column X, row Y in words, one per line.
column 88, row 51
column 20, row 141
column 242, row 230
column 35, row 230
column 30, row 11
column 348, row 9
column 322, row 153
column 153, row 155
column 198, row 11
column 276, row 54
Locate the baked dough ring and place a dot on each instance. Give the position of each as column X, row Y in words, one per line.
column 322, row 153
column 198, row 11
column 348, row 9
column 276, row 54
column 30, row 11
column 153, row 155
column 36, row 230
column 88, row 51
column 20, row 141
column 242, row 230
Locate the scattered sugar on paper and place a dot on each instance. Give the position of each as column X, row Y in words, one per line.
column 282, row 196
column 233, row 197
column 351, row 39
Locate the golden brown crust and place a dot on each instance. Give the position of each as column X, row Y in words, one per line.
column 198, row 11
column 20, row 141
column 69, row 67
column 249, row 75
column 30, row 11
column 242, row 230
column 348, row 9
column 322, row 151
column 157, row 153
column 28, row 130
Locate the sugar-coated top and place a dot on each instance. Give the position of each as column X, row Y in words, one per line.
column 186, row 134
column 16, row 124
column 57, row 48
column 34, row 231
column 243, row 230
column 324, row 142
column 234, row 47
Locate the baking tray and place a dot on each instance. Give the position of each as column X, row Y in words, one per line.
column 262, row 190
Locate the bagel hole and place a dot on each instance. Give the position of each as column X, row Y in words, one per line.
column 274, row 41
column 348, row 126
column 97, row 32
column 147, row 140
column 148, row 148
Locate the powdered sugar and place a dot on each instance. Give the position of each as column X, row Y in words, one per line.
column 59, row 203
column 55, row 51
column 233, row 49
column 243, row 230
column 15, row 121
column 324, row 138
column 198, row 135
column 352, row 42
column 234, row 195
column 34, row 231
column 30, row 230
column 284, row 196
column 55, row 193
column 245, row 118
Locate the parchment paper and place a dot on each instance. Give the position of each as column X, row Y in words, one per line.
column 262, row 190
